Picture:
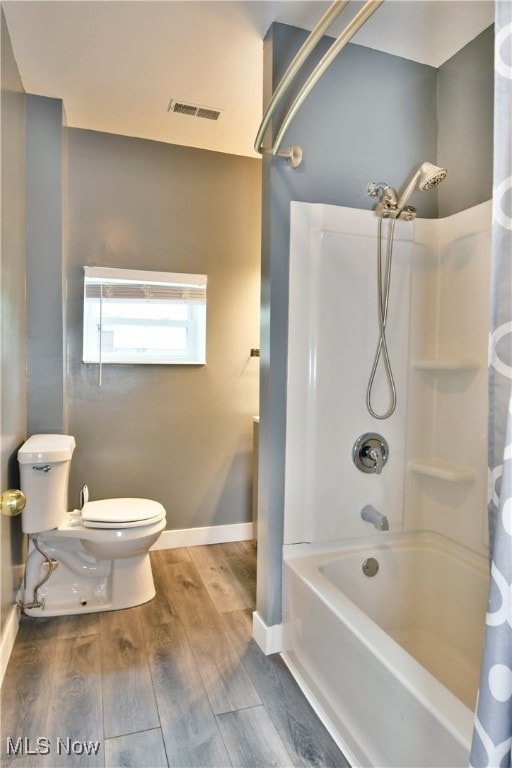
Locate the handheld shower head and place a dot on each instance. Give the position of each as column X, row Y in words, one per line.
column 426, row 177
column 431, row 176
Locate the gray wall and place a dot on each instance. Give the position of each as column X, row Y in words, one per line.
column 45, row 173
column 178, row 434
column 465, row 116
column 372, row 117
column 12, row 317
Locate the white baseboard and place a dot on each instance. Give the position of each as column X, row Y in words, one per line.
column 213, row 534
column 10, row 630
column 269, row 639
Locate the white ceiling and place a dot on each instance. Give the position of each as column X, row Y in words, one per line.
column 117, row 64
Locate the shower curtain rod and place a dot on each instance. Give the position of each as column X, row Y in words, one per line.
column 294, row 153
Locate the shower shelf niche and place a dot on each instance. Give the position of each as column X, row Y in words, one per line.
column 442, row 470
column 442, row 365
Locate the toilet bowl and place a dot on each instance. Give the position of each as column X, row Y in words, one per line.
column 91, row 559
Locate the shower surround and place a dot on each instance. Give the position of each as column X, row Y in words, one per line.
column 435, row 479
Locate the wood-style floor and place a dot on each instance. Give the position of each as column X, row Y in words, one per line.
column 176, row 682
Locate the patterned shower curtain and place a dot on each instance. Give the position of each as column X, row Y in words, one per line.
column 492, row 736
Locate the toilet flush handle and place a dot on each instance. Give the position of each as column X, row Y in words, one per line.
column 84, row 496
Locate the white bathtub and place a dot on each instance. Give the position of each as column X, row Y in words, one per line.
column 391, row 662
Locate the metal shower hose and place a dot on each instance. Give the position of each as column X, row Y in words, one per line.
column 383, row 302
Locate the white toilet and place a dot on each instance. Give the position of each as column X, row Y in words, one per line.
column 87, row 560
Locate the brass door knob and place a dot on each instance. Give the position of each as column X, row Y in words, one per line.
column 12, row 502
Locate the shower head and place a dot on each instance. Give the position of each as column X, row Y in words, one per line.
column 426, row 177
column 431, row 176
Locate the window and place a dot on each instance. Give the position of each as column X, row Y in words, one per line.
column 134, row 316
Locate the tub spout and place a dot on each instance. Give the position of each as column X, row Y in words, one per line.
column 377, row 519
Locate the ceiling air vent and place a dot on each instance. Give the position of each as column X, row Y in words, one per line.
column 194, row 110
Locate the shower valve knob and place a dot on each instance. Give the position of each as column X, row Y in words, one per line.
column 370, row 453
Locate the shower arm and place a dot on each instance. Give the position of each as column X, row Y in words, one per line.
column 294, row 153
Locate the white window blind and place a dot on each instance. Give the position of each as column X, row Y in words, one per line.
column 137, row 316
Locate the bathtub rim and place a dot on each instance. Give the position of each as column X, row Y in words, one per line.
column 305, row 561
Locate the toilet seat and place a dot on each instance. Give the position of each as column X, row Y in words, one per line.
column 121, row 513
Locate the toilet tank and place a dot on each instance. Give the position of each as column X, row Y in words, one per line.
column 44, row 462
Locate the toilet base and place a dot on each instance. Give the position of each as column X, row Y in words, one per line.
column 107, row 585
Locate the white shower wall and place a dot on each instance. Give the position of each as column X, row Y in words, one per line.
column 438, row 308
column 446, row 490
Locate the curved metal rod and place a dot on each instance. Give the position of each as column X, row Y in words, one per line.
column 352, row 27
column 304, row 52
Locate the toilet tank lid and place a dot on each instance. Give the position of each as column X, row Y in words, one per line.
column 41, row 449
